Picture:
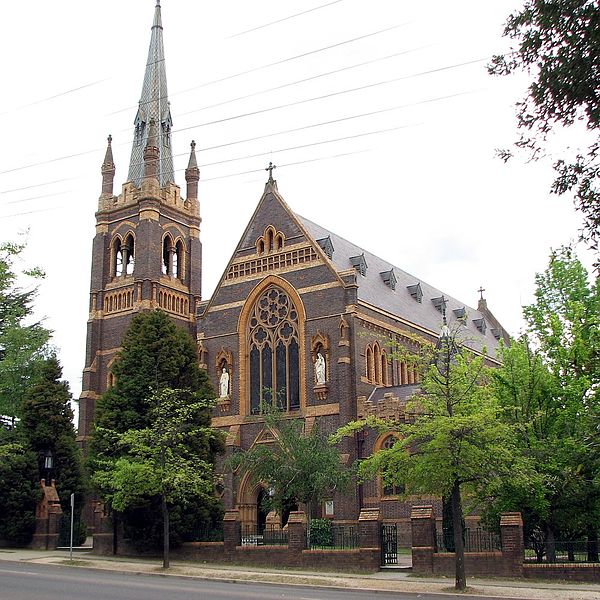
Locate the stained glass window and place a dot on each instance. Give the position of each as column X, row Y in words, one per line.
column 274, row 352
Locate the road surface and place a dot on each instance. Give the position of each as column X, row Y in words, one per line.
column 27, row 581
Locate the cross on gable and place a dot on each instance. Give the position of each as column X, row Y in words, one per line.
column 270, row 169
column 481, row 290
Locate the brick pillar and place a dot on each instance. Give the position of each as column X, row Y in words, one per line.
column 422, row 521
column 232, row 530
column 369, row 528
column 513, row 551
column 296, row 527
column 47, row 519
column 104, row 534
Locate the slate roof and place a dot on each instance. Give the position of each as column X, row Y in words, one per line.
column 373, row 290
column 403, row 392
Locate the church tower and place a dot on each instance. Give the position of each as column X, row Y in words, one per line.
column 146, row 253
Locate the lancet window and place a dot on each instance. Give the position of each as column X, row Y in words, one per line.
column 274, row 354
column 123, row 256
column 377, row 364
column 172, row 262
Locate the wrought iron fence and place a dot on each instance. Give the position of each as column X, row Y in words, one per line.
column 205, row 532
column 64, row 530
column 270, row 535
column 338, row 537
column 475, row 539
column 562, row 551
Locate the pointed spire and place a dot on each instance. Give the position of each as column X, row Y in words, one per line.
column 192, row 173
column 154, row 104
column 108, row 169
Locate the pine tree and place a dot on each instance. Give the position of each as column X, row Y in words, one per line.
column 155, row 356
column 47, row 426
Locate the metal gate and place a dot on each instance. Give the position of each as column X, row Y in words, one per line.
column 389, row 544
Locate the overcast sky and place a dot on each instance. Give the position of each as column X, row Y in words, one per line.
column 403, row 167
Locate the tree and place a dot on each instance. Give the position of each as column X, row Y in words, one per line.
column 164, row 459
column 22, row 344
column 19, row 490
column 558, row 43
column 548, row 387
column 156, row 355
column 298, row 466
column 451, row 441
column 47, row 426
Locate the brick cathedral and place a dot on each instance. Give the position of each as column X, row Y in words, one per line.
column 301, row 318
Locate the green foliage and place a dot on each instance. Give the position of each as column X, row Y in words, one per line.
column 47, row 425
column 152, row 438
column 451, row 439
column 299, row 466
column 22, row 344
column 19, row 491
column 155, row 354
column 557, row 42
column 548, row 388
column 321, row 533
column 163, row 459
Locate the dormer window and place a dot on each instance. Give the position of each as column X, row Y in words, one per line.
column 359, row 263
column 389, row 278
column 480, row 324
column 439, row 303
column 460, row 313
column 326, row 246
column 415, row 291
column 496, row 332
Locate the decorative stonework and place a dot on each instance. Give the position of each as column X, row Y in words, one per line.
column 202, row 351
column 272, row 262
column 391, row 407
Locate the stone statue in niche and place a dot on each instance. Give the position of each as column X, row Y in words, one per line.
column 320, row 369
column 224, row 383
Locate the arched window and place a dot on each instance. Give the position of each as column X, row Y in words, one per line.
column 117, row 258
column 384, row 369
column 273, row 340
column 128, row 255
column 377, row 361
column 178, row 260
column 169, row 260
column 388, row 488
column 370, row 366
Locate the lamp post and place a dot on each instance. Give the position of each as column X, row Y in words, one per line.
column 48, row 465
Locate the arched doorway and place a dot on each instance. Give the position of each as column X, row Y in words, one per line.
column 261, row 510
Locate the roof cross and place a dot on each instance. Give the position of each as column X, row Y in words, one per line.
column 270, row 169
column 481, row 290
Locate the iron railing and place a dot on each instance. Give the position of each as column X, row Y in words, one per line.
column 562, row 551
column 204, row 533
column 269, row 535
column 339, row 537
column 475, row 539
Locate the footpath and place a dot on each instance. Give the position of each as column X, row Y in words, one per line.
column 393, row 580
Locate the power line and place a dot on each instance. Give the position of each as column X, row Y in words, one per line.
column 292, row 130
column 37, row 197
column 28, row 187
column 59, row 95
column 277, row 62
column 329, row 95
column 279, row 87
column 291, row 164
column 309, row 145
column 284, row 19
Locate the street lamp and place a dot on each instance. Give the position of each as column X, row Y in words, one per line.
column 48, row 465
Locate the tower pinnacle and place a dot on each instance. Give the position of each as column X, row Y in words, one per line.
column 153, row 105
